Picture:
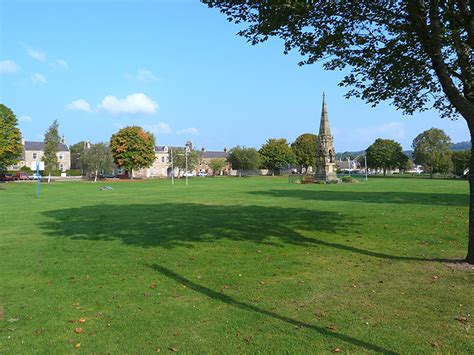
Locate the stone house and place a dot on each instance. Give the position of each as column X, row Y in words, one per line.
column 207, row 156
column 161, row 167
column 34, row 151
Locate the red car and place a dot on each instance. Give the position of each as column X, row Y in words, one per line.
column 21, row 176
column 6, row 177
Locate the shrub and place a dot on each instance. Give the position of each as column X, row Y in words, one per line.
column 73, row 172
column 25, row 168
column 349, row 180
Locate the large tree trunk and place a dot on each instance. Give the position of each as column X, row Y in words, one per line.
column 470, row 247
column 95, row 177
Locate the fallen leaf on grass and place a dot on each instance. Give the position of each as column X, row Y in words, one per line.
column 332, row 327
column 247, row 339
column 238, row 333
column 336, row 350
column 78, row 330
column 71, row 321
column 173, row 350
column 82, row 320
column 13, row 320
column 262, row 282
column 158, row 350
column 70, row 341
column 462, row 319
column 77, row 346
column 434, row 344
column 320, row 314
column 153, row 285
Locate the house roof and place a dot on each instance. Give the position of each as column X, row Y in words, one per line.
column 209, row 154
column 29, row 145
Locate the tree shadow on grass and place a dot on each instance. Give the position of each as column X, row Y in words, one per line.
column 395, row 197
column 169, row 225
column 183, row 224
column 251, row 308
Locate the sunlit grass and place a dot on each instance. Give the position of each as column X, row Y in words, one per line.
column 230, row 265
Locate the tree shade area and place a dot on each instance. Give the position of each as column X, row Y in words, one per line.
column 415, row 54
column 230, row 265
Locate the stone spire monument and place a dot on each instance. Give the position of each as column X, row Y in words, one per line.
column 325, row 154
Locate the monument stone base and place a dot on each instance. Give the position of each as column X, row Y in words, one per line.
column 327, row 177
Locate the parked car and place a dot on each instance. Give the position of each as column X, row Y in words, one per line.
column 6, row 177
column 34, row 177
column 21, row 175
column 189, row 174
column 202, row 173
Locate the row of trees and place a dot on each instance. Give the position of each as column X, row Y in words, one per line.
column 431, row 149
column 276, row 154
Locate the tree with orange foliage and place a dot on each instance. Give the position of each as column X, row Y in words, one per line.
column 133, row 148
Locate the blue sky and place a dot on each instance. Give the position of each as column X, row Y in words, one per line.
column 178, row 69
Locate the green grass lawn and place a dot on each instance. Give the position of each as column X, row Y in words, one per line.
column 227, row 265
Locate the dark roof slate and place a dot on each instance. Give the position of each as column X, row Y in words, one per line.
column 209, row 154
column 29, row 145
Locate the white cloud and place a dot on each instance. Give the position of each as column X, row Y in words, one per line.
column 9, row 66
column 36, row 54
column 59, row 64
column 134, row 103
column 159, row 128
column 25, row 118
column 38, row 79
column 79, row 105
column 189, row 131
column 143, row 75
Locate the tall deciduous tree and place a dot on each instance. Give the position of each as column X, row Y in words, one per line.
column 415, row 53
column 10, row 138
column 304, row 148
column 133, row 148
column 431, row 149
column 51, row 146
column 276, row 154
column 97, row 159
column 460, row 161
column 386, row 154
column 242, row 158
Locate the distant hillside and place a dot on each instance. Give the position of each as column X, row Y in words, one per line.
column 461, row 146
column 455, row 146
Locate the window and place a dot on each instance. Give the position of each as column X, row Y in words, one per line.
column 61, row 166
column 61, row 156
column 162, row 159
column 35, row 155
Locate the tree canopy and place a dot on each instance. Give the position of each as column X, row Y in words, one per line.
column 386, row 154
column 276, row 153
column 97, row 159
column 10, row 138
column 242, row 158
column 51, row 146
column 431, row 149
column 216, row 165
column 133, row 148
column 304, row 148
column 460, row 161
column 177, row 155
